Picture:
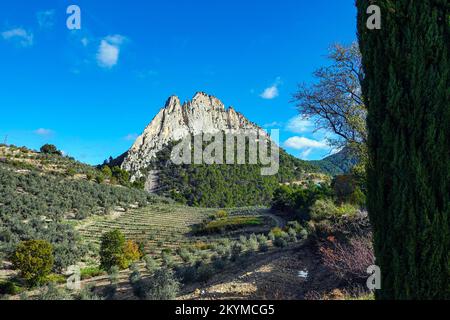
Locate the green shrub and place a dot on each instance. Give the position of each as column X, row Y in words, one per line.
column 56, row 278
column 185, row 255
column 322, row 209
column 303, row 234
column 204, row 272
column 50, row 149
column 236, row 250
column 88, row 293
column 135, row 275
column 347, row 209
column 223, row 250
column 292, row 235
column 10, row 287
column 90, row 176
column 99, row 179
column 221, row 214
column 150, row 264
column 225, row 224
column 253, row 243
column 34, row 259
column 280, row 242
column 161, row 286
column 358, row 197
column 71, row 172
column 187, row 274
column 167, row 259
column 52, row 292
column 276, row 233
column 91, row 272
column 294, row 225
column 131, row 253
column 262, row 239
column 112, row 249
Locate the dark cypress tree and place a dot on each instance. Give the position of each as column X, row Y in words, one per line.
column 406, row 87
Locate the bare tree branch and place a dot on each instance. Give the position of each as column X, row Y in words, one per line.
column 335, row 101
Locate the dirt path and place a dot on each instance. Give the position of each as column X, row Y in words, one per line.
column 275, row 275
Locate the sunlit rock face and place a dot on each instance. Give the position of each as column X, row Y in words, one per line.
column 203, row 114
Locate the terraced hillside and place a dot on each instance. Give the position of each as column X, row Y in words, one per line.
column 162, row 226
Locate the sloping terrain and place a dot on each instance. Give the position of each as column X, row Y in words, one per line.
column 168, row 226
column 336, row 164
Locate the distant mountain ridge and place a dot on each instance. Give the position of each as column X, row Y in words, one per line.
column 338, row 163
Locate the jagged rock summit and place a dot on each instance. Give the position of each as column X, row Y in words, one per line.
column 203, row 114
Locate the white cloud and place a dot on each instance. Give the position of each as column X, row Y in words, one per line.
column 84, row 41
column 272, row 92
column 20, row 36
column 273, row 124
column 109, row 51
column 299, row 125
column 131, row 137
column 46, row 19
column 299, row 143
column 43, row 132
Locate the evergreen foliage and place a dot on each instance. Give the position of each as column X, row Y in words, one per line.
column 339, row 163
column 34, row 206
column 112, row 250
column 224, row 185
column 34, row 259
column 406, row 88
column 50, row 149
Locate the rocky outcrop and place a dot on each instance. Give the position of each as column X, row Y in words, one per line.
column 203, row 114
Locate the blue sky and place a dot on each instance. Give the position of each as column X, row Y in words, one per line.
column 91, row 91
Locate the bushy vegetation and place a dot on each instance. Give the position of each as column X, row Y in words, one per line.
column 224, row 185
column 115, row 251
column 50, row 149
column 297, row 200
column 34, row 259
column 35, row 206
column 162, row 285
column 339, row 163
column 218, row 225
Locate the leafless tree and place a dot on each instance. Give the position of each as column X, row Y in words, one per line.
column 334, row 102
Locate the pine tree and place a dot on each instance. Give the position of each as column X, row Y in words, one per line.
column 406, row 88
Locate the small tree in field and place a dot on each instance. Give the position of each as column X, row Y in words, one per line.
column 112, row 249
column 50, row 149
column 161, row 286
column 34, row 259
column 131, row 253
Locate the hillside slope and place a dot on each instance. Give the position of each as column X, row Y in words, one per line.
column 42, row 195
column 336, row 164
column 225, row 185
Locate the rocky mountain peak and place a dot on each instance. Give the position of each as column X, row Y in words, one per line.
column 206, row 100
column 203, row 114
column 172, row 104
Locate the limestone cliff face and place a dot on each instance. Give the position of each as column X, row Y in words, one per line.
column 203, row 114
